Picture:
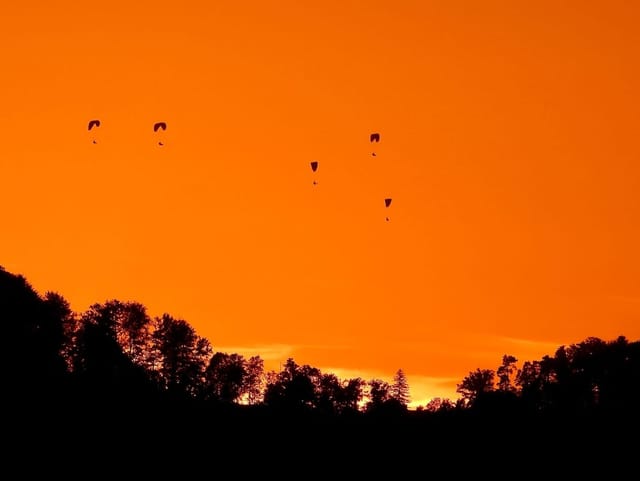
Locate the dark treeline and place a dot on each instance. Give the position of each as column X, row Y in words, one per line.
column 116, row 353
column 115, row 369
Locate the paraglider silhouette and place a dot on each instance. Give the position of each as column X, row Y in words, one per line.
column 92, row 124
column 314, row 167
column 374, row 137
column 157, row 126
column 387, row 203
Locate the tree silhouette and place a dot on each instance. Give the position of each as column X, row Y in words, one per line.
column 60, row 309
column 101, row 367
column 134, row 331
column 31, row 343
column 378, row 394
column 399, row 389
column 583, row 377
column 329, row 393
column 225, row 377
column 619, row 378
column 531, row 383
column 351, row 395
column 294, row 387
column 254, row 380
column 505, row 373
column 338, row 396
column 475, row 385
column 182, row 356
column 438, row 404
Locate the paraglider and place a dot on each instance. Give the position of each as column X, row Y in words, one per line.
column 314, row 167
column 93, row 123
column 387, row 203
column 157, row 126
column 374, row 137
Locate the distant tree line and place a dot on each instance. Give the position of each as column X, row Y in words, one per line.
column 116, row 353
column 589, row 377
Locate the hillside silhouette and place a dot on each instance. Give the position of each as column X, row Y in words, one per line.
column 113, row 383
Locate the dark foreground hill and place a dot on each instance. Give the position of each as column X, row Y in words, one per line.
column 190, row 440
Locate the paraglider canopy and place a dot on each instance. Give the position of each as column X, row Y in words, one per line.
column 93, row 123
column 314, row 165
column 159, row 125
column 375, row 137
column 387, row 203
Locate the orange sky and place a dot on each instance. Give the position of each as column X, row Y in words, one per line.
column 508, row 143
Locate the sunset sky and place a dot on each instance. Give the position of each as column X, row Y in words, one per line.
column 509, row 144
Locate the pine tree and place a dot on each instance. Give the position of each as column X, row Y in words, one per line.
column 400, row 388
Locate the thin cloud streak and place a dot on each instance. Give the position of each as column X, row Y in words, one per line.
column 271, row 352
column 275, row 352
